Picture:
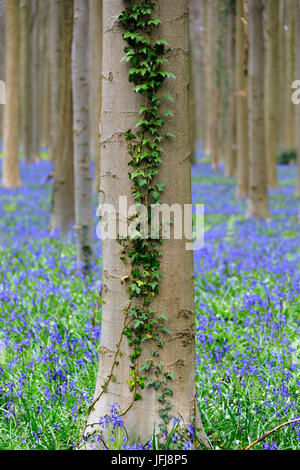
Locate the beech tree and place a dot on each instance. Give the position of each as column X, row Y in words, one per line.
column 11, row 173
column 61, row 30
column 272, row 89
column 297, row 42
column 95, row 83
column 258, row 184
column 126, row 319
column 82, row 170
column 26, row 82
column 230, row 142
column 241, row 86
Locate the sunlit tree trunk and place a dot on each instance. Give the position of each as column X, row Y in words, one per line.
column 95, row 84
column 272, row 89
column 120, row 111
column 82, row 164
column 241, row 86
column 61, row 18
column 10, row 173
column 258, row 185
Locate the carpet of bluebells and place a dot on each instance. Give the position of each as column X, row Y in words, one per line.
column 247, row 320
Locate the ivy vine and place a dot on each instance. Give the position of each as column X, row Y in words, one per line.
column 147, row 58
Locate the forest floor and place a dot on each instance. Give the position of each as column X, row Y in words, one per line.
column 247, row 319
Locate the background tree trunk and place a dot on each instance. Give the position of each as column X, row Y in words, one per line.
column 95, row 84
column 283, row 116
column 82, row 164
column 2, row 61
column 290, row 128
column 120, row 108
column 241, row 86
column 62, row 116
column 297, row 44
column 11, row 173
column 210, row 63
column 230, row 145
column 272, row 89
column 36, row 80
column 258, row 190
column 26, row 82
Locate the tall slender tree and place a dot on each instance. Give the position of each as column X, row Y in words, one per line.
column 290, row 73
column 11, row 173
column 82, row 166
column 61, row 18
column 241, row 86
column 95, row 84
column 230, row 145
column 36, row 79
column 120, row 112
column 284, row 90
column 210, row 63
column 272, row 88
column 26, row 82
column 258, row 184
column 297, row 43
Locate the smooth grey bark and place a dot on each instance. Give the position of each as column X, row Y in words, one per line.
column 61, row 30
column 230, row 141
column 82, row 164
column 258, row 187
column 10, row 171
column 297, row 45
column 120, row 111
column 272, row 88
column 241, row 85
column 95, row 84
column 26, row 80
column 36, row 79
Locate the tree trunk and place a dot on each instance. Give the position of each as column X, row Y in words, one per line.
column 120, row 112
column 2, row 61
column 95, row 83
column 290, row 128
column 36, row 80
column 258, row 190
column 196, row 74
column 82, row 164
column 241, row 86
column 284, row 90
column 11, row 173
column 272, row 89
column 61, row 14
column 26, row 82
column 45, row 77
column 210, row 63
column 230, row 146
column 297, row 43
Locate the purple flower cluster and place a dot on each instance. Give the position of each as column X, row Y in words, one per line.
column 247, row 319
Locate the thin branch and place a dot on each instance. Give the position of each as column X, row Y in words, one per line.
column 270, row 432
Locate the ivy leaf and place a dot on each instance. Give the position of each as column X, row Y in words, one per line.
column 168, row 112
column 170, row 134
column 160, row 187
column 169, row 97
